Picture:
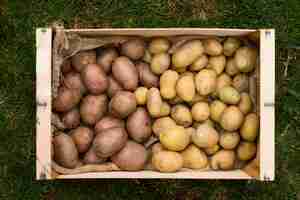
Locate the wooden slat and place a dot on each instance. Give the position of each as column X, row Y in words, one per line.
column 43, row 100
column 236, row 174
column 149, row 32
column 267, row 104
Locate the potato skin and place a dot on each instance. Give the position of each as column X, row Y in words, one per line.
column 93, row 108
column 229, row 95
column 185, row 87
column 249, row 129
column 223, row 80
column 157, row 147
column 194, row 158
column 133, row 49
column 90, row 157
column 159, row 45
column 109, row 142
column 165, row 109
column 66, row 99
column 175, row 138
column 125, row 72
column 83, row 58
column 141, row 95
column 160, row 63
column 206, row 81
column 223, row 160
column 212, row 150
column 245, row 104
column 138, row 125
column 246, row 150
column 106, row 57
column 125, row 160
column 205, row 136
column 147, row 78
column 245, row 59
column 212, row 47
column 182, row 115
column 122, row 104
column 71, row 119
column 66, row 67
column 72, row 80
column 216, row 109
column 113, row 87
column 231, row 68
column 199, row 63
column 186, row 54
column 231, row 45
column 229, row 140
column 200, row 111
column 94, row 79
column 217, row 63
column 241, row 82
column 162, row 124
column 154, row 102
column 82, row 137
column 167, row 161
column 65, row 152
column 108, row 122
column 231, row 118
column 168, row 84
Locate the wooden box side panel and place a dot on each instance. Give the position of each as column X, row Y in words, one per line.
column 236, row 174
column 43, row 101
column 267, row 104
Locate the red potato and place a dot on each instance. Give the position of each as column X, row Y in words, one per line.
column 82, row 137
column 90, row 157
column 133, row 49
column 72, row 80
column 108, row 122
column 71, row 119
column 146, row 76
column 66, row 99
column 93, row 108
column 106, row 57
column 125, row 72
column 113, row 87
column 83, row 58
column 94, row 78
column 66, row 67
column 122, row 104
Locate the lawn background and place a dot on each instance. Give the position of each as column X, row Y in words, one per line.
column 18, row 20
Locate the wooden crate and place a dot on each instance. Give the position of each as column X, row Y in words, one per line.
column 266, row 93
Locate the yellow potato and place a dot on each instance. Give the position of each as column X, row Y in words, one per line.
column 167, row 161
column 216, row 109
column 231, row 68
column 212, row 150
column 141, row 95
column 182, row 115
column 180, row 70
column 189, row 131
column 245, row 59
column 194, row 158
column 167, row 84
column 209, row 122
column 187, row 54
column 245, row 104
column 157, row 147
column 162, row 124
column 185, row 87
column 231, row 45
column 176, row 100
column 197, row 98
column 206, row 81
column 223, row 160
column 187, row 73
column 231, row 119
column 217, row 63
column 200, row 111
column 246, row 150
column 249, row 129
column 159, row 45
column 229, row 95
column 165, row 109
column 147, row 56
column 205, row 136
column 212, row 47
column 174, row 138
column 199, row 63
column 229, row 140
column 222, row 81
column 154, row 102
column 160, row 63
column 241, row 82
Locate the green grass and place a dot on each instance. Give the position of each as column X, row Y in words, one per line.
column 18, row 20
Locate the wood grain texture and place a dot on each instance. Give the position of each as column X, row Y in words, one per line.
column 43, row 103
column 267, row 104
